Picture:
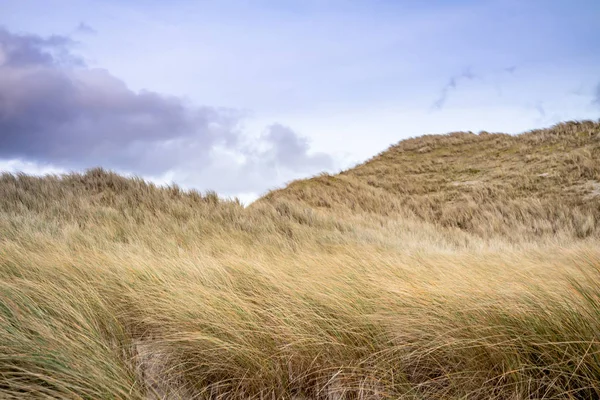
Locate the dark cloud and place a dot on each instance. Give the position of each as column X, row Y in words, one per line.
column 19, row 51
column 55, row 110
column 511, row 70
column 74, row 116
column 450, row 86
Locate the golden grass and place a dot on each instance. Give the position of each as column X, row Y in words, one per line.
column 432, row 271
column 525, row 187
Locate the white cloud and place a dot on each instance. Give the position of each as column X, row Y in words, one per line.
column 29, row 167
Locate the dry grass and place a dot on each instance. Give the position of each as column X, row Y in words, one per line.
column 525, row 187
column 459, row 266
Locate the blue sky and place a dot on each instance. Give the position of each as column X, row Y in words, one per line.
column 283, row 89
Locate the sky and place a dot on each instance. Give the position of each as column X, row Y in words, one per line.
column 241, row 96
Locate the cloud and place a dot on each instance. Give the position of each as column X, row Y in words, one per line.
column 450, row 86
column 597, row 95
column 54, row 110
column 511, row 70
column 540, row 109
column 287, row 148
column 29, row 167
column 75, row 115
column 20, row 51
column 276, row 157
column 85, row 29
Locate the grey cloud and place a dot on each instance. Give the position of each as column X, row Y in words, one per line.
column 450, row 86
column 511, row 70
column 85, row 29
column 58, row 112
column 287, row 148
column 597, row 95
column 88, row 116
column 540, row 109
column 32, row 50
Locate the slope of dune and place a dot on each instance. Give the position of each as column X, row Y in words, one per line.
column 540, row 183
column 452, row 266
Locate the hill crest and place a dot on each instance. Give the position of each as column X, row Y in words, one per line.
column 486, row 183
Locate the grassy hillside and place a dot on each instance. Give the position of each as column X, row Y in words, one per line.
column 524, row 187
column 455, row 266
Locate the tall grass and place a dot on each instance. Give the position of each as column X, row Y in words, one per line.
column 524, row 188
column 335, row 288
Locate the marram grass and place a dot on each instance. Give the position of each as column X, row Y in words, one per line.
column 471, row 277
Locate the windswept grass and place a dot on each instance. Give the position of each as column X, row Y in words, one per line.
column 523, row 188
column 434, row 270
